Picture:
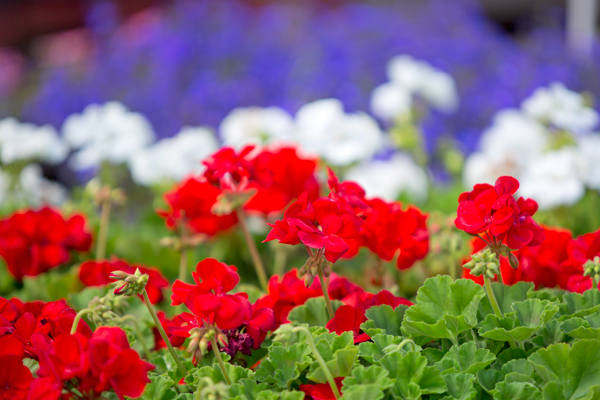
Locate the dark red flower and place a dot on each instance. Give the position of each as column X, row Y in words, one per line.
column 192, row 202
column 208, row 298
column 321, row 391
column 32, row 242
column 15, row 378
column 348, row 318
column 96, row 273
column 494, row 210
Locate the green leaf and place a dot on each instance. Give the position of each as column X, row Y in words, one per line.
column 528, row 316
column 159, row 388
column 551, row 333
column 235, row 372
column 313, row 312
column 362, row 392
column 247, row 389
column 553, row 391
column 489, row 378
column 460, row 386
column 284, row 364
column 433, row 355
column 384, row 319
column 576, row 368
column 587, row 327
column 516, row 391
column 413, row 376
column 465, row 358
column 519, row 365
column 382, row 344
column 366, row 383
column 579, row 305
column 507, row 355
column 444, row 308
column 339, row 365
column 506, row 296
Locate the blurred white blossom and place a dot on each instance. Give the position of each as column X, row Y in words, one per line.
column 589, row 151
column 38, row 190
column 387, row 179
column 324, row 129
column 20, row 141
column 106, row 132
column 561, row 108
column 554, row 179
column 173, row 159
column 255, row 125
column 407, row 78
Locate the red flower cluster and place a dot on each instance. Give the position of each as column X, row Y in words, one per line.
column 209, row 302
column 32, row 242
column 557, row 262
column 95, row 273
column 192, row 201
column 34, row 325
column 277, row 176
column 91, row 365
column 494, row 210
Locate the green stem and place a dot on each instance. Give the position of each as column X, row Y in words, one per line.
column 215, row 348
column 138, row 332
column 183, row 260
column 280, row 260
column 320, row 360
column 413, row 345
column 256, row 260
column 163, row 334
column 453, row 269
column 103, row 231
column 490, row 293
column 325, row 288
column 77, row 318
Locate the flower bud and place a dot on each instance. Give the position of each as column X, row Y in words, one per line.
column 513, row 260
column 483, row 263
column 308, row 279
column 284, row 334
column 591, row 268
column 129, row 284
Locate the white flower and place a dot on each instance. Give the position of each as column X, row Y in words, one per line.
column 173, row 159
column 390, row 100
column 561, row 108
column 107, row 132
column 256, row 125
column 387, row 179
column 554, row 179
column 324, row 129
column 409, row 77
column 39, row 190
column 28, row 142
column 589, row 150
column 506, row 148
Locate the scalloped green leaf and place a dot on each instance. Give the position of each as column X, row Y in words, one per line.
column 460, row 387
column 516, row 391
column 551, row 333
column 587, row 327
column 313, row 312
column 507, row 355
column 247, row 389
column 284, row 364
column 362, row 392
column 235, row 372
column 576, row 368
column 366, row 383
column 465, row 358
column 340, row 365
column 528, row 316
column 433, row 356
column 384, row 319
column 413, row 376
column 444, row 308
column 373, row 351
column 489, row 378
column 159, row 388
column 579, row 305
column 506, row 296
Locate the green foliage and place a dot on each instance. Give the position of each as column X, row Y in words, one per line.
column 465, row 358
column 159, row 388
column 284, row 364
column 384, row 319
column 339, row 353
column 313, row 312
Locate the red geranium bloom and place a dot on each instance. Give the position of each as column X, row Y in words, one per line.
column 15, row 378
column 494, row 210
column 321, row 391
column 582, row 249
column 227, row 161
column 32, row 242
column 168, row 325
column 192, row 201
column 348, row 318
column 96, row 273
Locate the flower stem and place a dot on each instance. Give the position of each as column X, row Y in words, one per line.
column 77, row 318
column 256, row 260
column 413, row 346
column 320, row 359
column 103, row 231
column 325, row 288
column 138, row 332
column 163, row 334
column 183, row 260
column 280, row 260
column 490, row 293
column 215, row 348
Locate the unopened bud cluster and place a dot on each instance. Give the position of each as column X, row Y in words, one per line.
column 285, row 334
column 129, row 284
column 592, row 268
column 105, row 309
column 200, row 339
column 179, row 244
column 104, row 194
column 484, row 263
column 311, row 269
column 213, row 391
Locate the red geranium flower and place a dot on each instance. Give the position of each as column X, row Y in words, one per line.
column 96, row 273
column 227, row 161
column 32, row 242
column 192, row 202
column 15, row 378
column 168, row 325
column 582, row 249
column 494, row 210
